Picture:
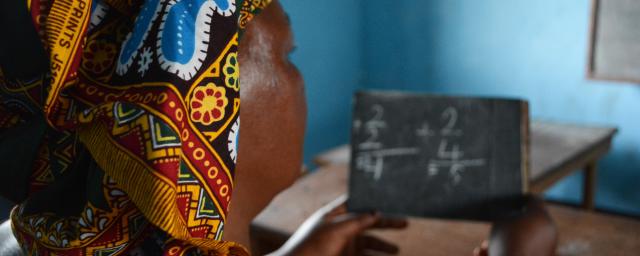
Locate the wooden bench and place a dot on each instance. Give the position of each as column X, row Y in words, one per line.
column 557, row 150
column 581, row 232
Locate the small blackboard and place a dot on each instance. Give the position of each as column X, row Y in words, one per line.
column 437, row 156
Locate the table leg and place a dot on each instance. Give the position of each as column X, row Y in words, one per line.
column 589, row 186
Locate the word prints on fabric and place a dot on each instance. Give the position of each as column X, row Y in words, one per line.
column 142, row 105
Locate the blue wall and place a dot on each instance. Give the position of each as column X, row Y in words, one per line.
column 533, row 49
column 329, row 55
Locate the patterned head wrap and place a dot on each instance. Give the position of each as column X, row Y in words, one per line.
column 141, row 101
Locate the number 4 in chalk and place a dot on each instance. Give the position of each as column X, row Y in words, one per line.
column 455, row 152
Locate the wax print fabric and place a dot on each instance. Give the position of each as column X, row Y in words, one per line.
column 139, row 117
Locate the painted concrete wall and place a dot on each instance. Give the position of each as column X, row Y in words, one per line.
column 329, row 55
column 536, row 50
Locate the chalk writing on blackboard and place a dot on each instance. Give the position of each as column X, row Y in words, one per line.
column 450, row 114
column 451, row 161
column 372, row 155
column 372, row 128
column 436, row 156
column 425, row 130
column 373, row 161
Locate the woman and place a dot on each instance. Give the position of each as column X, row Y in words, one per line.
column 120, row 129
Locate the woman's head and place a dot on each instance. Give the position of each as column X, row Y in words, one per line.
column 273, row 116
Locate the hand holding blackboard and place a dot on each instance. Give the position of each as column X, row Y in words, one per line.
column 437, row 156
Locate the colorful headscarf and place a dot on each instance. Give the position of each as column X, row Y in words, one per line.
column 142, row 106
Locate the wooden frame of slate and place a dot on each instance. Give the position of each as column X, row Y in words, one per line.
column 614, row 51
column 437, row 156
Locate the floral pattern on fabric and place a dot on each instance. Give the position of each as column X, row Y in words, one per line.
column 208, row 104
column 232, row 72
column 98, row 57
column 141, row 102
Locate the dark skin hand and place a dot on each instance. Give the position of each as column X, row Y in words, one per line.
column 530, row 234
column 344, row 234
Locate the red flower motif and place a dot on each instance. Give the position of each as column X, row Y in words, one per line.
column 98, row 56
column 208, row 104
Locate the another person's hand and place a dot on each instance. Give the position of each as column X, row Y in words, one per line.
column 344, row 234
column 531, row 233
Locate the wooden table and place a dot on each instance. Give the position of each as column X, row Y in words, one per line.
column 557, row 150
column 581, row 232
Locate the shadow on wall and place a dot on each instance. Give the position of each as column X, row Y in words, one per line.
column 615, row 173
column 620, row 170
